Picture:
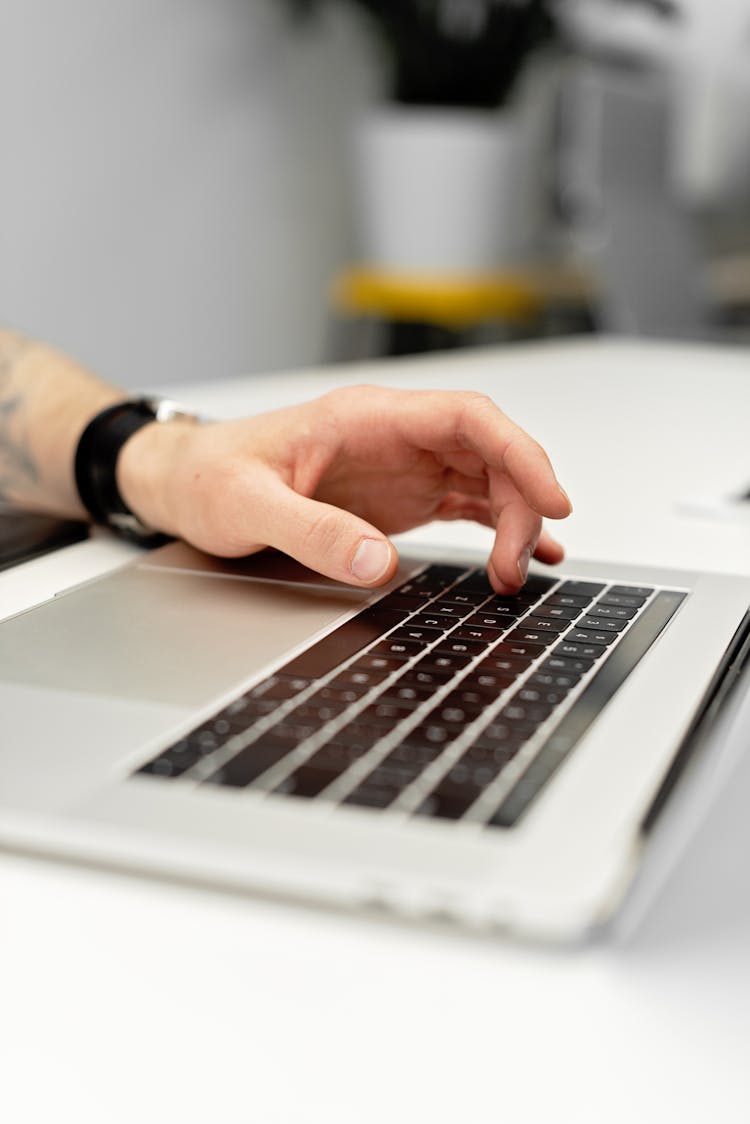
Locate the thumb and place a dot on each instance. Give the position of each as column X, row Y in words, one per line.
column 330, row 540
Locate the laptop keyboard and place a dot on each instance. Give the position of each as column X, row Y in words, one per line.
column 441, row 700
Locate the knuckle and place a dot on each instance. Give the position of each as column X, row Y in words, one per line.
column 475, row 406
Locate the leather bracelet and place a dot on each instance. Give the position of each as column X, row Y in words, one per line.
column 96, row 463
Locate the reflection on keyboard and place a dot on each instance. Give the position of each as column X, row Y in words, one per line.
column 442, row 699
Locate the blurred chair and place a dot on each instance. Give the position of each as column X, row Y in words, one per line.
column 425, row 312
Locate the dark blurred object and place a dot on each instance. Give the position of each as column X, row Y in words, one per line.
column 23, row 536
column 458, row 53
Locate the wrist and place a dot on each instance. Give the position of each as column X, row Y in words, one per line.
column 146, row 470
column 123, row 480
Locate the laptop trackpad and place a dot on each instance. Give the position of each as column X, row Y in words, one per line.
column 167, row 636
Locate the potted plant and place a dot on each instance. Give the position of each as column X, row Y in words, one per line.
column 435, row 164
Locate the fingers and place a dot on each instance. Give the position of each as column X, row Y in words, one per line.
column 331, row 541
column 511, row 552
column 516, row 535
column 506, row 447
column 549, row 550
column 448, row 423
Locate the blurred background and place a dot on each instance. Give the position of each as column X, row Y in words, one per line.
column 198, row 188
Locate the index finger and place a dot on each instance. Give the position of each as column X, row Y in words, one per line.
column 470, row 421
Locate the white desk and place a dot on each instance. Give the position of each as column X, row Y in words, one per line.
column 127, row 1000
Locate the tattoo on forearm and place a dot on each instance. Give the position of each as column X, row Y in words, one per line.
column 17, row 465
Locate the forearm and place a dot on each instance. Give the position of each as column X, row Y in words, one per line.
column 46, row 400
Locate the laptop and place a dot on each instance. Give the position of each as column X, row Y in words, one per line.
column 430, row 749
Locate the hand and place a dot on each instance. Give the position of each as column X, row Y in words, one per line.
column 328, row 480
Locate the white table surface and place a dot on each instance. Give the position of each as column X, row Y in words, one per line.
column 128, row 1000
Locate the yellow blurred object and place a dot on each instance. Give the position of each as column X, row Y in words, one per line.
column 453, row 301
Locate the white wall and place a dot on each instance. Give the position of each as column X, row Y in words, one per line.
column 173, row 194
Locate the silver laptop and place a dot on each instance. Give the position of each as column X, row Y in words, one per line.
column 431, row 749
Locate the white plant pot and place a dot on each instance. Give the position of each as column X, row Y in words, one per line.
column 437, row 190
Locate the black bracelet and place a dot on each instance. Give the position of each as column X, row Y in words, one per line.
column 96, row 462
column 96, row 458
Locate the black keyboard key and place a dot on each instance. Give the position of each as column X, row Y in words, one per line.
column 451, row 799
column 424, row 676
column 526, row 714
column 250, row 764
column 537, row 585
column 518, row 648
column 445, row 574
column 477, row 582
column 615, row 612
column 580, row 651
column 579, row 589
column 412, row 631
column 562, row 680
column 470, row 695
column 450, row 609
column 399, row 649
column 491, row 756
column 569, row 600
column 537, row 693
column 415, row 753
column 343, row 643
column 517, row 604
column 414, row 590
column 432, row 620
column 557, row 612
column 316, row 712
column 523, row 637
column 435, row 660
column 488, row 683
column 498, row 618
column 173, row 762
column 407, row 694
column 450, row 647
column 323, row 768
column 544, row 624
column 394, row 772
column 362, row 679
column 279, row 687
column 290, row 733
column 461, row 596
column 590, row 636
column 359, row 736
column 626, row 601
column 385, row 713
column 574, row 665
column 372, row 795
column 308, row 780
column 602, row 624
column 251, row 708
column 499, row 663
column 402, row 602
column 501, row 735
column 476, row 632
column 335, row 694
column 379, row 662
column 457, row 711
column 435, row 733
column 643, row 591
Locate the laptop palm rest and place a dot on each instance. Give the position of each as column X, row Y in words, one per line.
column 163, row 635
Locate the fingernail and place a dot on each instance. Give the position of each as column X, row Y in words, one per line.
column 371, row 561
column 566, row 497
column 523, row 562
